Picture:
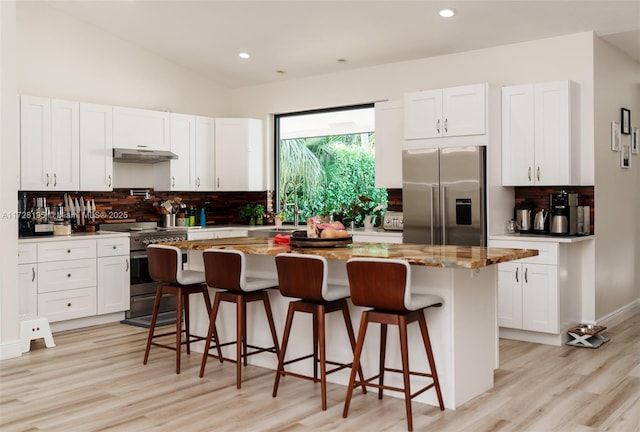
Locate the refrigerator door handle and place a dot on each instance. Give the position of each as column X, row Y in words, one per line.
column 443, row 212
column 432, row 214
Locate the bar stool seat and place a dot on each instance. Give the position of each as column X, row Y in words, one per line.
column 305, row 277
column 385, row 286
column 225, row 269
column 165, row 266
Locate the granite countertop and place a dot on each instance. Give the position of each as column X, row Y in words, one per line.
column 470, row 257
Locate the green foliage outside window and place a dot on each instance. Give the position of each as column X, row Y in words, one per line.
column 335, row 176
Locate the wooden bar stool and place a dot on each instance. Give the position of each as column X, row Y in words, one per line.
column 165, row 266
column 305, row 277
column 225, row 269
column 385, row 286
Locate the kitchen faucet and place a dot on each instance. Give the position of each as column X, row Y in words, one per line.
column 296, row 210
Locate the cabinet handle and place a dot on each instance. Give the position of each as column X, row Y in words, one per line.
column 446, row 122
column 68, row 250
column 529, row 174
column 33, row 274
column 198, row 182
column 438, row 126
column 55, row 179
column 68, row 275
column 127, row 265
column 115, row 247
column 109, row 182
column 218, row 182
column 526, row 273
column 538, row 173
column 173, row 181
column 47, row 180
column 517, row 277
column 68, row 304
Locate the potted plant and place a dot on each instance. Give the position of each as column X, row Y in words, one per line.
column 279, row 217
column 247, row 215
column 258, row 213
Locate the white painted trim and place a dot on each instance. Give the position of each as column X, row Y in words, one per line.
column 86, row 322
column 10, row 349
column 617, row 316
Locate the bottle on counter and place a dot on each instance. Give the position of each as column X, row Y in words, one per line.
column 203, row 218
column 192, row 216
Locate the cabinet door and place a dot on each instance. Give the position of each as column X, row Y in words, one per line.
column 540, row 298
column 28, row 289
column 238, row 154
column 35, row 143
column 423, row 114
column 389, row 139
column 65, row 144
column 510, row 295
column 135, row 128
column 96, row 147
column 113, row 288
column 552, row 134
column 517, row 136
column 182, row 170
column 205, row 150
column 464, row 110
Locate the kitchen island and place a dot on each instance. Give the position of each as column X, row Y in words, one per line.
column 464, row 331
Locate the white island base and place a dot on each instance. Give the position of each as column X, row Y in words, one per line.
column 463, row 331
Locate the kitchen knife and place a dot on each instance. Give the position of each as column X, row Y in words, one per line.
column 82, row 211
column 66, row 204
column 93, row 210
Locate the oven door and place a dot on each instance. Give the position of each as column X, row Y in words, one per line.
column 143, row 288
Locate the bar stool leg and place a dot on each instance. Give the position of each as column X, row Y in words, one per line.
column 211, row 333
column 320, row 312
column 383, row 354
column 240, row 338
column 364, row 322
column 432, row 364
column 352, row 340
column 185, row 304
column 152, row 326
column 404, row 352
column 178, row 329
column 314, row 317
column 283, row 348
column 272, row 326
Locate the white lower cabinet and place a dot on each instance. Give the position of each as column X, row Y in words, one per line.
column 209, row 234
column 376, row 237
column 68, row 279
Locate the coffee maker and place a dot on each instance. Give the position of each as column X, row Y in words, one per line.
column 564, row 213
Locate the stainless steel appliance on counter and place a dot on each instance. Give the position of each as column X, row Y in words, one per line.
column 392, row 221
column 143, row 288
column 564, row 213
column 443, row 196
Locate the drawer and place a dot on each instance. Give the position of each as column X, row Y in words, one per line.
column 547, row 251
column 201, row 235
column 113, row 246
column 66, row 250
column 69, row 304
column 59, row 276
column 27, row 253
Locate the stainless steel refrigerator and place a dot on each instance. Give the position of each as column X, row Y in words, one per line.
column 444, row 196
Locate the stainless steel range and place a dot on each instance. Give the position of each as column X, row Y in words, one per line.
column 143, row 288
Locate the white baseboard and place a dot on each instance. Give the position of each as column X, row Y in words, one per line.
column 10, row 349
column 86, row 322
column 532, row 336
column 616, row 317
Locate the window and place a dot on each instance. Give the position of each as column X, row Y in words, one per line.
column 325, row 160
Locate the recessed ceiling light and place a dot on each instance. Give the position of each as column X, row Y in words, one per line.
column 447, row 13
column 244, row 55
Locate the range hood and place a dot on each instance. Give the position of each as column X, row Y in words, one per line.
column 142, row 156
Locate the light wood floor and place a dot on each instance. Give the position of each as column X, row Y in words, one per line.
column 94, row 380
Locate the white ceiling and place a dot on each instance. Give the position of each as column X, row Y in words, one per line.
column 307, row 37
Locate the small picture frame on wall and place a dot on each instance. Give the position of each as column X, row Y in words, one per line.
column 625, row 157
column 635, row 141
column 615, row 136
column 625, row 121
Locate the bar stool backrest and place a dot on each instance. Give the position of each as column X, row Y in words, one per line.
column 165, row 264
column 380, row 283
column 224, row 269
column 302, row 276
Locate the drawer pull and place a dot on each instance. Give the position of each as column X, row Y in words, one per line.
column 114, row 246
column 33, row 274
column 68, row 274
column 68, row 250
column 68, row 304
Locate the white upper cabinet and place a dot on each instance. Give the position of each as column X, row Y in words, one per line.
column 181, row 175
column 49, row 144
column 449, row 112
column 539, row 135
column 238, row 154
column 96, row 147
column 205, row 150
column 389, row 138
column 140, row 129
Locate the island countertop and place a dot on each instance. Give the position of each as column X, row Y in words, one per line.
column 471, row 257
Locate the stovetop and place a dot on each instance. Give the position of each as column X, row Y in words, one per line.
column 142, row 234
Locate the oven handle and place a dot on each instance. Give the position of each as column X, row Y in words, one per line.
column 138, row 255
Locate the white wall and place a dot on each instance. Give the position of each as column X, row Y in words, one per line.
column 617, row 191
column 9, row 154
column 63, row 58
